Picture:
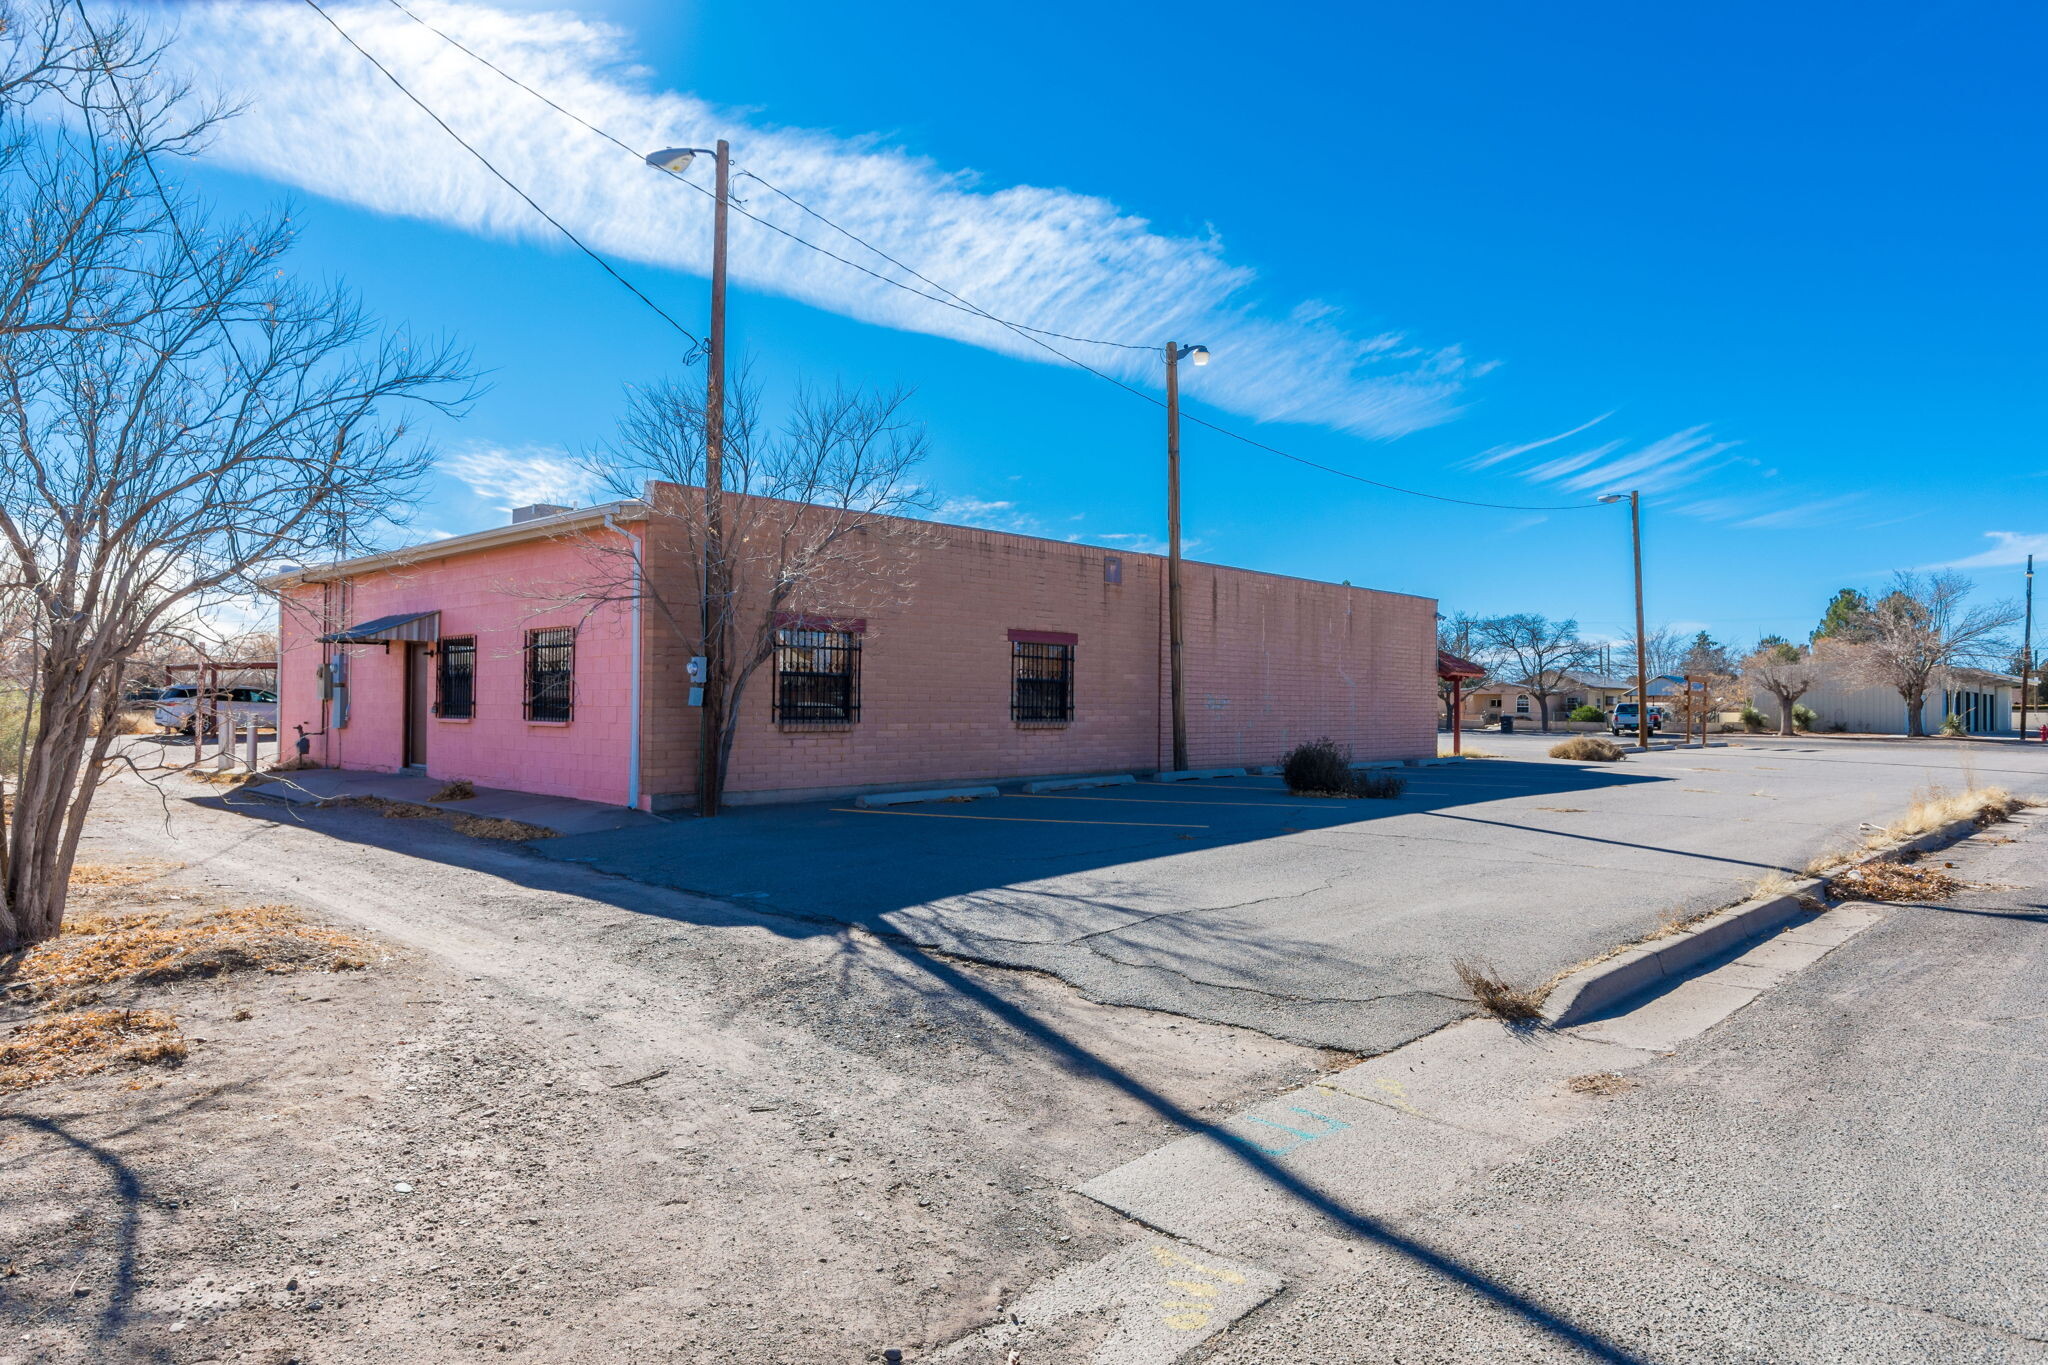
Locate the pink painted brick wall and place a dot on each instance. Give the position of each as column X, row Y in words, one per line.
column 495, row 595
column 1270, row 661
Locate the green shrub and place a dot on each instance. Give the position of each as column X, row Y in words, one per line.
column 1953, row 726
column 1321, row 766
column 1754, row 720
column 1804, row 718
column 1592, row 713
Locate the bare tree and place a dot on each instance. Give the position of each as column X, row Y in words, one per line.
column 1454, row 636
column 1660, row 649
column 1534, row 652
column 1924, row 627
column 177, row 417
column 1785, row 671
column 816, row 518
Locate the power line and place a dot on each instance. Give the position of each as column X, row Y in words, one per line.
column 1035, row 335
column 695, row 341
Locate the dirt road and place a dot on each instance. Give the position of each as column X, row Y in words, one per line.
column 566, row 1116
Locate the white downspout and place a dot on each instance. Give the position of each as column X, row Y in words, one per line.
column 639, row 591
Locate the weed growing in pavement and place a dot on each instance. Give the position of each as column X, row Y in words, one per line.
column 1776, row 882
column 1603, row 1084
column 1322, row 767
column 1588, row 749
column 1517, row 1006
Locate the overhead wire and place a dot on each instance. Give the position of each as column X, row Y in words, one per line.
column 1035, row 335
column 695, row 341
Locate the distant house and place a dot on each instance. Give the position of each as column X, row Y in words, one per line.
column 1981, row 700
column 1488, row 702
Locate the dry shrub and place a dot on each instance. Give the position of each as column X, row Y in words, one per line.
column 1888, row 881
column 89, row 1041
column 120, row 874
column 1517, row 1005
column 151, row 946
column 1604, row 1084
column 225, row 777
column 1588, row 749
column 1317, row 767
column 134, row 720
column 461, row 789
column 297, row 763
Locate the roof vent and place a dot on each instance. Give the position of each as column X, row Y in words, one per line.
column 536, row 511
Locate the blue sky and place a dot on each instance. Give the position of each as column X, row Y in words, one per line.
column 1776, row 265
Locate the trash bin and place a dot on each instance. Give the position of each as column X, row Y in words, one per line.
column 1507, row 725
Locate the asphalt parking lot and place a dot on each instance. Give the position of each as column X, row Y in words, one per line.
column 1333, row 922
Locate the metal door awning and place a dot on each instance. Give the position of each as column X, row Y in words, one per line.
column 416, row 625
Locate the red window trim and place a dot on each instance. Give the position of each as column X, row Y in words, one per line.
column 796, row 620
column 1044, row 637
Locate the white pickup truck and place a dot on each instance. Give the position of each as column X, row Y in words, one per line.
column 174, row 709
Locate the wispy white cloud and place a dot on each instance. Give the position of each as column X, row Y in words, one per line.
column 517, row 478
column 1657, row 466
column 1003, row 515
column 1487, row 458
column 320, row 118
column 2008, row 548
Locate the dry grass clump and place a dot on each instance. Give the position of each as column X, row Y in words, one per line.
column 475, row 826
column 496, row 827
column 225, row 777
column 461, row 789
column 120, row 874
column 1520, row 1006
column 1888, row 881
column 135, row 720
column 1776, row 882
column 95, row 952
column 1603, row 1084
column 1588, row 749
column 1935, row 808
column 89, row 1041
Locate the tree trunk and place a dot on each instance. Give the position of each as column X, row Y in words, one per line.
column 1543, row 712
column 1916, row 720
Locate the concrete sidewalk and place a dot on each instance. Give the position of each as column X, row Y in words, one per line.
column 1847, row 1169
column 562, row 814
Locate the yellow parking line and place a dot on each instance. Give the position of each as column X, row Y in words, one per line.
column 1012, row 819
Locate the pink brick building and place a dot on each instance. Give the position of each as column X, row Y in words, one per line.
column 516, row 658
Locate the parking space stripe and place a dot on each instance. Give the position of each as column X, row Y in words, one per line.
column 1013, row 819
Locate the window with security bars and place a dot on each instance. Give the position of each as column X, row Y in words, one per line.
column 1041, row 681
column 817, row 677
column 455, row 688
column 550, row 673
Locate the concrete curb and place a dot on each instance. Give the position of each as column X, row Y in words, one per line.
column 880, row 799
column 1595, row 989
column 1191, row 774
column 1067, row 784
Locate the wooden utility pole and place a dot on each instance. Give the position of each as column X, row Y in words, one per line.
column 1173, row 613
column 2027, row 651
column 716, row 607
column 1635, row 530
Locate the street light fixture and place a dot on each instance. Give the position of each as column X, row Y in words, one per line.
column 715, row 607
column 1635, row 527
column 1175, row 353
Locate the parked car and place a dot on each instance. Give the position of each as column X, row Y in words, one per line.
column 1623, row 721
column 175, row 708
column 142, row 693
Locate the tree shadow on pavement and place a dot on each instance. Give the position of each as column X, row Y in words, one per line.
column 948, row 987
